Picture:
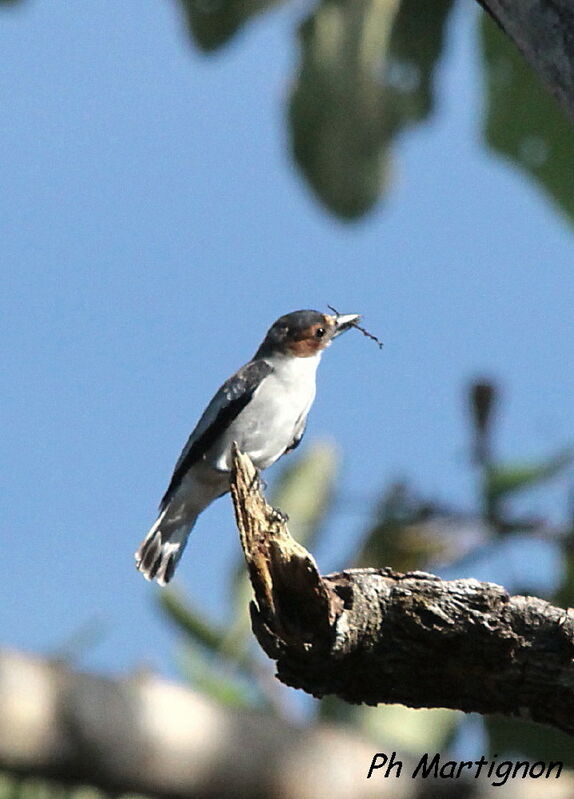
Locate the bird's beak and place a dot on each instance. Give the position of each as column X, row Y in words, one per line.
column 344, row 322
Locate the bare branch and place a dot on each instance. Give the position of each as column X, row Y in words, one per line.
column 543, row 31
column 377, row 636
column 144, row 735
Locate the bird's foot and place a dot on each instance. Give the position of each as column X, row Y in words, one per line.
column 278, row 515
column 258, row 483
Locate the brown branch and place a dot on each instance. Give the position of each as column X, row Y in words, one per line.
column 543, row 30
column 377, row 636
column 144, row 735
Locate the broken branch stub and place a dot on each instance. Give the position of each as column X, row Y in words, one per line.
column 378, row 636
column 293, row 605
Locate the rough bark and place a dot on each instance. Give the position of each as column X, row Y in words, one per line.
column 543, row 31
column 377, row 636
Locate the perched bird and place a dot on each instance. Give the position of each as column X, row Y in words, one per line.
column 263, row 408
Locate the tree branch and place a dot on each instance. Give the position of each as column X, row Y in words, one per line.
column 543, row 30
column 376, row 636
column 144, row 735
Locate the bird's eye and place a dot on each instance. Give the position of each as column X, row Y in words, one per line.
column 320, row 332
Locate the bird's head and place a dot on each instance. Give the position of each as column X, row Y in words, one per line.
column 304, row 333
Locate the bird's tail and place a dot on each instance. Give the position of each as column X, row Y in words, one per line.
column 161, row 549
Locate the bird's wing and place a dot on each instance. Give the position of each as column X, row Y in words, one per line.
column 229, row 401
column 298, row 437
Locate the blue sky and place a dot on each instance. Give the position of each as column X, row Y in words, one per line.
column 153, row 226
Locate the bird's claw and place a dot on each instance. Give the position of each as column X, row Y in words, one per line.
column 278, row 515
column 257, row 483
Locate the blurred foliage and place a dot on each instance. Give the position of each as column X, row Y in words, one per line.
column 15, row 787
column 415, row 48
column 564, row 597
column 482, row 405
column 81, row 640
column 402, row 534
column 189, row 620
column 501, row 481
column 338, row 103
column 409, row 729
column 530, row 740
column 366, row 72
column 504, row 480
column 523, row 122
column 212, row 23
column 305, row 490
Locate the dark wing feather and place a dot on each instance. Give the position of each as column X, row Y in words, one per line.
column 296, row 440
column 229, row 401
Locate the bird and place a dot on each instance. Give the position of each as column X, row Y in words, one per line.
column 262, row 408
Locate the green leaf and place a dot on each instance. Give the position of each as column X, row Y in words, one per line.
column 483, row 397
column 218, row 662
column 401, row 536
column 564, row 596
column 416, row 45
column 366, row 71
column 82, row 640
column 338, row 103
column 189, row 620
column 336, row 711
column 408, row 729
column 523, row 122
column 225, row 688
column 212, row 23
column 305, row 488
column 502, row 480
column 525, row 739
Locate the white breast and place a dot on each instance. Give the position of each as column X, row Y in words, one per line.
column 277, row 411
